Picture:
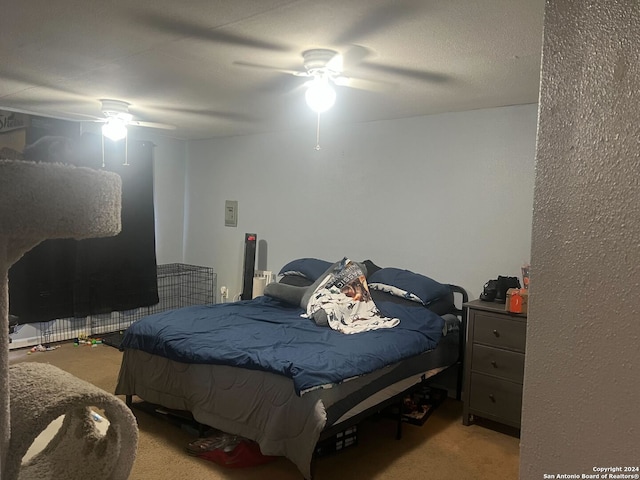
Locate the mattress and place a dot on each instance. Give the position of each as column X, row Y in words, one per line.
column 264, row 406
column 269, row 335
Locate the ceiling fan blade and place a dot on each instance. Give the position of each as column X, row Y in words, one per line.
column 368, row 84
column 38, row 113
column 232, row 116
column 336, row 64
column 355, row 55
column 46, row 103
column 90, row 118
column 422, row 75
column 192, row 30
column 342, row 81
column 164, row 126
column 378, row 20
column 297, row 73
column 282, row 85
column 53, row 110
column 76, row 116
column 34, row 81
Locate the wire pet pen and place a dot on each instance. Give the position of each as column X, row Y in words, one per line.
column 179, row 285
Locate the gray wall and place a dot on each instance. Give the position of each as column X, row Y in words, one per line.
column 582, row 364
column 447, row 195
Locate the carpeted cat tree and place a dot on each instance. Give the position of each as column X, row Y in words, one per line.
column 39, row 201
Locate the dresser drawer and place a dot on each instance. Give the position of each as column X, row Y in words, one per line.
column 502, row 332
column 496, row 399
column 498, row 363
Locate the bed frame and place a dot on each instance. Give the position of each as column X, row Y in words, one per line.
column 335, row 423
column 397, row 398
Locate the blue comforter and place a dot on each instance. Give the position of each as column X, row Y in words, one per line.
column 267, row 334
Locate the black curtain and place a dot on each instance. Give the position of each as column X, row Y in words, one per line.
column 67, row 278
column 41, row 282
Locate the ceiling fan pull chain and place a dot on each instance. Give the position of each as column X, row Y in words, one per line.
column 126, row 151
column 102, row 137
column 317, row 147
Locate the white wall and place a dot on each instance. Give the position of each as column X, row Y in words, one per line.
column 446, row 195
column 169, row 169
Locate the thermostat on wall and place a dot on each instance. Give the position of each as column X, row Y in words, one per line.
column 231, row 213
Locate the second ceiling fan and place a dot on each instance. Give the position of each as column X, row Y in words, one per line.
column 324, row 69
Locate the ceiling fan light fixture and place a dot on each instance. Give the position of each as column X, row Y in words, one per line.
column 320, row 95
column 114, row 128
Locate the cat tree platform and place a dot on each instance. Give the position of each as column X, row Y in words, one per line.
column 40, row 201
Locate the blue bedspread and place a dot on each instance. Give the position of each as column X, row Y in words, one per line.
column 267, row 334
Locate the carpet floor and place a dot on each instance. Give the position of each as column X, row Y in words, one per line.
column 441, row 448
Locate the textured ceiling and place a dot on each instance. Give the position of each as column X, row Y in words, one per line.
column 180, row 63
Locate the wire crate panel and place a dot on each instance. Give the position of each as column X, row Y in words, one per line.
column 179, row 285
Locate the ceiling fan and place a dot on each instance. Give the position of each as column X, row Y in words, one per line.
column 325, row 69
column 117, row 118
column 373, row 20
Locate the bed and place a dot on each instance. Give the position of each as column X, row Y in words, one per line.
column 259, row 369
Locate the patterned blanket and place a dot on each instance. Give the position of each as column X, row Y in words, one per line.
column 343, row 296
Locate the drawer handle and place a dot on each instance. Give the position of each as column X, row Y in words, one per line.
column 492, row 398
column 494, row 364
column 496, row 333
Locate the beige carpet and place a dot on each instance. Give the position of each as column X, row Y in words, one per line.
column 442, row 448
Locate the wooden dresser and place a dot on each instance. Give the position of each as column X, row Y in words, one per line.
column 494, row 363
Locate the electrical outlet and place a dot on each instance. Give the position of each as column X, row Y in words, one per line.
column 224, row 292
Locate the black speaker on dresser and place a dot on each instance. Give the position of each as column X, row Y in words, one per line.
column 250, row 242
